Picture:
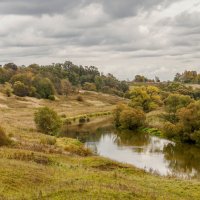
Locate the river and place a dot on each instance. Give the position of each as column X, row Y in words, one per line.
column 151, row 153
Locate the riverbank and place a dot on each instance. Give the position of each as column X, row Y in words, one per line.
column 55, row 176
column 37, row 166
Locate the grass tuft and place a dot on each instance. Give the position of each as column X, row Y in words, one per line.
column 4, row 140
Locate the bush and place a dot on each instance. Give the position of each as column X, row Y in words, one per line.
column 68, row 122
column 48, row 121
column 25, row 78
column 63, row 115
column 196, row 137
column 116, row 114
column 89, row 86
column 20, row 89
column 189, row 121
column 83, row 119
column 128, row 118
column 8, row 89
column 4, row 140
column 66, row 87
column 48, row 140
column 186, row 128
column 79, row 98
column 132, row 118
column 32, row 92
column 44, row 87
column 52, row 98
column 170, row 130
column 176, row 101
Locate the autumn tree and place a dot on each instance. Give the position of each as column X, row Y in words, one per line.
column 174, row 102
column 145, row 98
column 187, row 126
column 126, row 117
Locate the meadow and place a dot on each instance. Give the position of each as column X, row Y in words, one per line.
column 38, row 166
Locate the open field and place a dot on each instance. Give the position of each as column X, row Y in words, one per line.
column 32, row 168
column 16, row 114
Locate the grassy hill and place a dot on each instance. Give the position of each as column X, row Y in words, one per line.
column 36, row 167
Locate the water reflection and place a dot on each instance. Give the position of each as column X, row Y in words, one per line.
column 143, row 151
column 184, row 160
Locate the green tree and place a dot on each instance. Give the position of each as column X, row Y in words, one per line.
column 187, row 77
column 5, row 75
column 146, row 98
column 11, row 66
column 139, row 78
column 44, row 87
column 47, row 121
column 99, row 82
column 174, row 102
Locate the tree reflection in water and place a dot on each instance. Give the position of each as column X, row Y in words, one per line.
column 142, row 150
column 183, row 159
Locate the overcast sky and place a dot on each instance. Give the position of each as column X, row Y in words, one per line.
column 124, row 37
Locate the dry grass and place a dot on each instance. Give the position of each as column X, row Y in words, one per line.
column 38, row 167
column 16, row 116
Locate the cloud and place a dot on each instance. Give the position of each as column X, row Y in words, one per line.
column 38, row 7
column 115, row 8
column 152, row 37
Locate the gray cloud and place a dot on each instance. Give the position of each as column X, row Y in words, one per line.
column 115, row 8
column 146, row 37
column 128, row 8
column 38, row 7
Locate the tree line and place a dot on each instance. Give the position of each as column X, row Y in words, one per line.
column 59, row 78
column 192, row 77
column 177, row 105
column 188, row 77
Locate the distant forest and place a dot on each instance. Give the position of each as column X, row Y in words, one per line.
column 188, row 77
column 60, row 78
column 185, row 77
column 45, row 81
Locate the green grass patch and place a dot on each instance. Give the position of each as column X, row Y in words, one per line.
column 153, row 131
column 74, row 146
column 86, row 178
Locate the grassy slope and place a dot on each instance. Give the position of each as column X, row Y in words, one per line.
column 31, row 170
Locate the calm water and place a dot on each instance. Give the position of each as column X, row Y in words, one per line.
column 141, row 150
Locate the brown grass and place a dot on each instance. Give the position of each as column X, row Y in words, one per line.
column 36, row 168
column 18, row 119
